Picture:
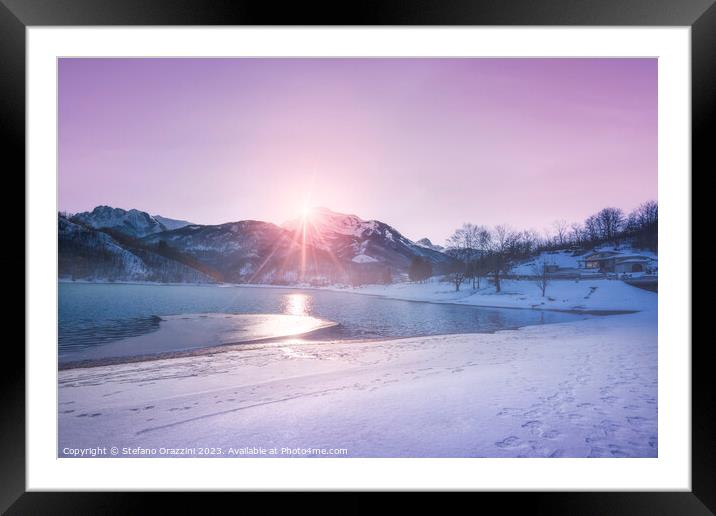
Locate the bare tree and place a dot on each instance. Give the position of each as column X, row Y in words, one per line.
column 591, row 228
column 540, row 270
column 456, row 275
column 465, row 240
column 610, row 222
column 561, row 229
column 646, row 214
column 577, row 233
column 467, row 244
column 532, row 240
column 643, row 225
column 420, row 269
column 501, row 245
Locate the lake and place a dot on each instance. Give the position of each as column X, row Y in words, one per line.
column 100, row 321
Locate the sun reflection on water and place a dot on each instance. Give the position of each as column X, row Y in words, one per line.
column 296, row 304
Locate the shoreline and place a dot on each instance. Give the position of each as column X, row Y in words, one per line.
column 355, row 290
column 247, row 345
column 576, row 389
column 277, row 341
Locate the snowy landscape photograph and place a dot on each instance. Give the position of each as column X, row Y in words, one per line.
column 357, row 257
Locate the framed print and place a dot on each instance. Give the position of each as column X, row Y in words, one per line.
column 446, row 249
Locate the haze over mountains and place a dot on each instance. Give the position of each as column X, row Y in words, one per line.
column 112, row 244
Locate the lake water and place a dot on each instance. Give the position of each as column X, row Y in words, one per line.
column 99, row 321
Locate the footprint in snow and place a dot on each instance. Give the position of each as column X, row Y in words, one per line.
column 509, row 442
column 551, row 434
column 636, row 421
column 507, row 411
column 534, row 426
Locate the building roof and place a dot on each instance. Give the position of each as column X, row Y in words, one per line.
column 616, row 256
column 634, row 259
column 601, row 255
column 638, row 257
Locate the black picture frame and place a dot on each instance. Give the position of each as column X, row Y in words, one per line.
column 16, row 15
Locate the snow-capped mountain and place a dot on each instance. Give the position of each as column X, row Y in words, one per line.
column 352, row 239
column 323, row 246
column 134, row 223
column 246, row 251
column 425, row 242
column 322, row 222
column 86, row 253
column 171, row 223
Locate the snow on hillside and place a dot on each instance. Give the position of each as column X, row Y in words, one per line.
column 425, row 242
column 350, row 238
column 566, row 259
column 91, row 255
column 324, row 222
column 322, row 225
column 170, row 224
column 110, row 258
column 134, row 223
column 563, row 259
column 363, row 258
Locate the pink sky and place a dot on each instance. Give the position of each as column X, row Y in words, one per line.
column 422, row 144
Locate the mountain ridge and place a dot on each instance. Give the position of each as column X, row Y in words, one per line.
column 322, row 247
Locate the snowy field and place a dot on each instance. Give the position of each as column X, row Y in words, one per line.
column 582, row 389
column 582, row 295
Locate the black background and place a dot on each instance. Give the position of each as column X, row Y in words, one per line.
column 15, row 15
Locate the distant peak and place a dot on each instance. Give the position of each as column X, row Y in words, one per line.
column 104, row 208
column 133, row 222
column 425, row 242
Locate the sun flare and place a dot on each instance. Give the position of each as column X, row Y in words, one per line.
column 305, row 211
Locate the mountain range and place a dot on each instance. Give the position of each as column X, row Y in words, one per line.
column 112, row 244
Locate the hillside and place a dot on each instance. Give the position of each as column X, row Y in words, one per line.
column 89, row 254
column 324, row 247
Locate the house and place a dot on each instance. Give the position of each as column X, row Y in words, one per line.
column 599, row 261
column 631, row 264
column 612, row 261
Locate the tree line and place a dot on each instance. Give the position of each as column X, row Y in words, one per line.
column 609, row 226
column 480, row 251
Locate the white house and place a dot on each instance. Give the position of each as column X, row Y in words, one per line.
column 613, row 261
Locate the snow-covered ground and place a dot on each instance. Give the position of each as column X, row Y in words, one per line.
column 584, row 389
column 583, row 294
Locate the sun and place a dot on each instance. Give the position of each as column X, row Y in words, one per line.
column 305, row 211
